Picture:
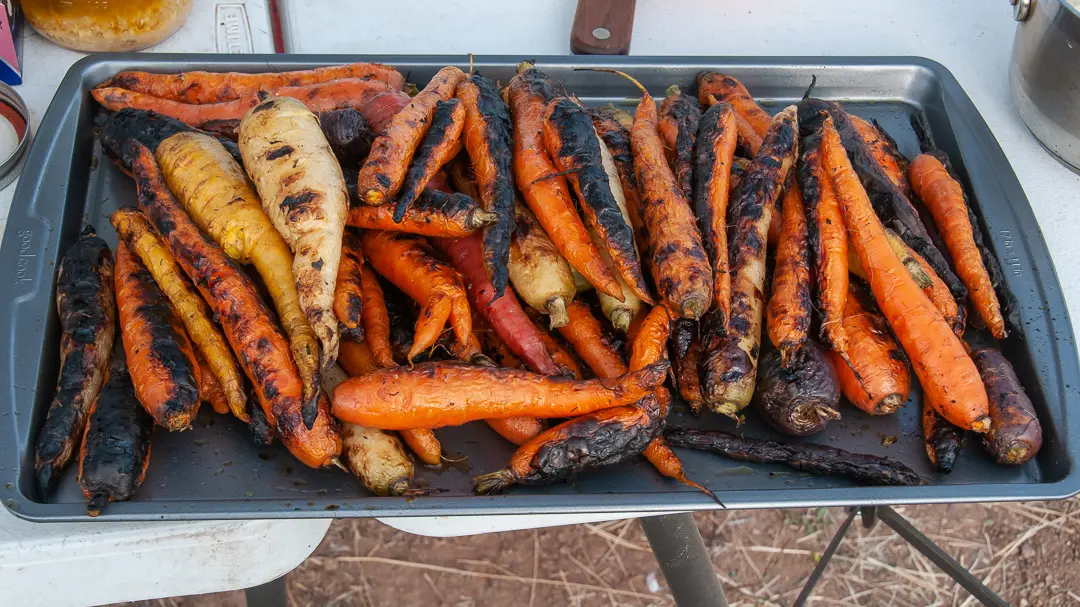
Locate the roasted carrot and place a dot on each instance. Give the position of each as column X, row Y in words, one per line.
column 86, row 308
column 713, row 85
column 875, row 377
column 620, row 311
column 433, row 213
column 891, row 205
column 712, row 187
column 518, row 430
column 213, row 87
column 949, row 379
column 575, row 148
column 678, row 126
column 1015, row 434
column 349, row 135
column 943, row 440
column 159, row 354
column 613, row 126
column 546, row 193
column 729, row 361
column 374, row 317
column 884, row 151
column 540, row 275
column 587, row 338
column 384, row 170
column 215, row 192
column 903, row 253
column 798, row 397
column 356, row 359
column 349, row 293
column 382, row 108
column 450, row 394
column 131, row 227
column 564, row 356
column 687, row 378
column 503, row 314
column 679, row 265
column 790, row 305
column 944, row 197
column 440, row 144
column 320, row 97
column 408, row 262
column 115, row 447
column 209, row 389
column 114, row 129
column 260, row 345
column 828, row 241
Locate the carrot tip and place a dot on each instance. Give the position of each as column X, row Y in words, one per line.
column 336, row 463
column 480, row 218
column 493, row 482
column 557, row 315
column 621, row 318
column 981, row 425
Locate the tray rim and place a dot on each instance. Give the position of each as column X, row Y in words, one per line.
column 67, row 98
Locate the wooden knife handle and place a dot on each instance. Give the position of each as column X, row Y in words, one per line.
column 602, row 27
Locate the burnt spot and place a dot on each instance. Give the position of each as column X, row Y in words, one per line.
column 262, row 107
column 684, row 113
column 430, row 155
column 279, row 152
column 317, row 264
column 383, row 179
column 540, row 84
column 296, row 206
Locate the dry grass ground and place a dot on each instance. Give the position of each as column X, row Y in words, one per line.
column 1029, row 553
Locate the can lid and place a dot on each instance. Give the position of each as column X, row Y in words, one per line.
column 14, row 134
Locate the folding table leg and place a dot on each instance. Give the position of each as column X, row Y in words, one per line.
column 270, row 594
column 686, row 565
column 826, row 556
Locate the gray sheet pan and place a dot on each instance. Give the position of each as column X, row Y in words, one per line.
column 214, row 471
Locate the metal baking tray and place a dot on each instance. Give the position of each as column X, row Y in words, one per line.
column 215, row 472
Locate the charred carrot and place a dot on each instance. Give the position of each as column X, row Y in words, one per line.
column 538, row 272
column 408, row 262
column 798, row 397
column 891, row 205
column 678, row 125
column 503, row 314
column 587, row 338
column 349, row 135
column 944, row 197
column 789, row 304
column 209, row 389
column 565, row 359
column 713, row 85
column 884, row 151
column 943, row 440
column 321, row 97
column 115, row 447
column 574, row 146
column 827, row 239
column 687, row 377
column 159, row 353
column 545, row 192
column 488, row 142
column 213, row 87
column 86, row 308
column 433, row 213
column 451, row 394
column 384, row 170
column 132, row 228
column 375, row 318
column 729, row 361
column 260, row 345
column 613, row 126
column 619, row 311
column 903, row 253
column 680, row 267
column 949, row 379
column 349, row 294
column 713, row 156
column 440, row 144
column 1015, row 434
column 875, row 377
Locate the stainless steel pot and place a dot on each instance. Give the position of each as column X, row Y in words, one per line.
column 1045, row 73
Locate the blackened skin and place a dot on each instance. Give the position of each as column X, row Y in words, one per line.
column 262, row 433
column 682, row 333
column 816, row 459
column 499, row 143
column 592, row 442
column 349, row 135
column 228, row 128
column 147, row 127
column 943, row 440
column 87, row 311
column 890, row 203
column 116, row 447
column 800, row 399
column 542, row 85
column 1015, row 434
column 434, row 141
column 685, row 114
column 579, row 151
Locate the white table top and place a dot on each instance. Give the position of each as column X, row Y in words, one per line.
column 73, row 563
column 972, row 38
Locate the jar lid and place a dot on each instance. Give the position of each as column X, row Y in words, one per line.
column 14, row 134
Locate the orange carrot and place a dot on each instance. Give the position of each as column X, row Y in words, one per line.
column 349, row 294
column 877, row 378
column 789, row 306
column 375, row 318
column 587, row 337
column 433, row 213
column 210, row 390
column 944, row 197
column 679, row 117
column 433, row 395
column 518, row 430
column 949, row 379
column 713, row 85
column 712, row 189
column 884, row 151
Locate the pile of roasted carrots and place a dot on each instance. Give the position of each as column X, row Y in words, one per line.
column 443, row 250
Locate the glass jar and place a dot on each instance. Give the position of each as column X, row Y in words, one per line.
column 106, row 25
